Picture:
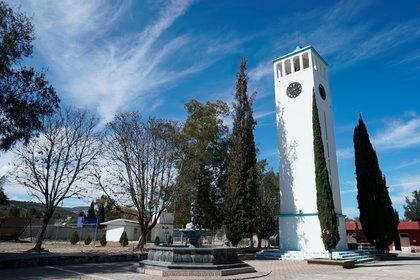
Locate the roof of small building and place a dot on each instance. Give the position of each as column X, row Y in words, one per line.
column 164, row 219
column 401, row 226
column 409, row 225
column 118, row 221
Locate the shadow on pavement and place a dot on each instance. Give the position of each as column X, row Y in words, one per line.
column 76, row 271
column 409, row 258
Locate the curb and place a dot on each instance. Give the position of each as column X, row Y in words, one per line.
column 60, row 259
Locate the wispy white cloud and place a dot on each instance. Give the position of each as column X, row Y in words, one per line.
column 403, row 187
column 406, row 164
column 348, row 191
column 345, row 153
column 398, row 134
column 409, row 183
column 95, row 67
column 410, row 57
column 263, row 114
column 398, row 199
column 340, row 32
column 262, row 70
column 351, row 212
column 226, row 44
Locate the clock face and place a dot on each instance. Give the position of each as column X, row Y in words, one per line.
column 294, row 89
column 322, row 92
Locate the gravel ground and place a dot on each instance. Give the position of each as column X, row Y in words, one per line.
column 65, row 247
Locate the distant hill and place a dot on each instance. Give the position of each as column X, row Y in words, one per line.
column 77, row 209
column 35, row 210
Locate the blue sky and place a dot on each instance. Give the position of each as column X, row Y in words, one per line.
column 153, row 56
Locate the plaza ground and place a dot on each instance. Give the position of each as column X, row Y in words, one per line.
column 407, row 266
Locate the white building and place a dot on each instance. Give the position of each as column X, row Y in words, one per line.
column 163, row 228
column 297, row 76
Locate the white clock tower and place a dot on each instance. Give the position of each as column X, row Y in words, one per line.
column 297, row 76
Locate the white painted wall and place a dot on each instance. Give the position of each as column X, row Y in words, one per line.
column 133, row 231
column 115, row 229
column 300, row 230
column 113, row 232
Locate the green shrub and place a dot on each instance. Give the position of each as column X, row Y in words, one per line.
column 124, row 239
column 103, row 240
column 88, row 240
column 170, row 240
column 74, row 238
column 157, row 241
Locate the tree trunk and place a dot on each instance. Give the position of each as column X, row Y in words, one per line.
column 252, row 241
column 330, row 254
column 41, row 233
column 142, row 240
column 259, row 242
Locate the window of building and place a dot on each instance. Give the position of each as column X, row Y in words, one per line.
column 288, row 67
column 296, row 63
column 314, row 62
column 305, row 60
column 279, row 70
column 136, row 230
column 326, row 128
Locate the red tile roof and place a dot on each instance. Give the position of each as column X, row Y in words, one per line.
column 401, row 226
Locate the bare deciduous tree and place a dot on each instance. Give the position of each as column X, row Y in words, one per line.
column 56, row 165
column 140, row 167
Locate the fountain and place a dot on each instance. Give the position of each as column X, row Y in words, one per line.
column 194, row 260
column 192, row 230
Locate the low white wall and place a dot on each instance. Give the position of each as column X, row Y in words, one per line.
column 162, row 231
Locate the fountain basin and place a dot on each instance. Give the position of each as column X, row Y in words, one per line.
column 186, row 261
column 194, row 236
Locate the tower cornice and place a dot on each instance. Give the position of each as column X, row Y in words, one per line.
column 297, row 51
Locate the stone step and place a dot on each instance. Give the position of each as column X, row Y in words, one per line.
column 363, row 260
column 348, row 255
column 269, row 255
column 358, row 257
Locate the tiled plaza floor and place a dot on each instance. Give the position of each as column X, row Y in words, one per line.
column 406, row 268
column 291, row 269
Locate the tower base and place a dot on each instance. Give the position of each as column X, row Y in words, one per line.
column 300, row 236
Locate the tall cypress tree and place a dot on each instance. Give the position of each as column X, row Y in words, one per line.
column 3, row 197
column 377, row 216
column 91, row 211
column 241, row 187
column 324, row 196
column 101, row 214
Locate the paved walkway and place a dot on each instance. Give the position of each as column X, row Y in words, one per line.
column 404, row 268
